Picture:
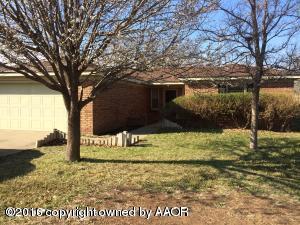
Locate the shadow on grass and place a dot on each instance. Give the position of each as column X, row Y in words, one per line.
column 143, row 143
column 184, row 162
column 185, row 130
column 18, row 164
column 276, row 164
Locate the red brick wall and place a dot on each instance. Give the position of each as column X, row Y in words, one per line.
column 191, row 89
column 127, row 104
column 86, row 118
column 277, row 90
column 278, row 86
column 281, row 87
column 123, row 105
column 284, row 83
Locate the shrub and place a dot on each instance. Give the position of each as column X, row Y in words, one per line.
column 280, row 111
column 277, row 112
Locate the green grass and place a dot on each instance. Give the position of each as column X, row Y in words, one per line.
column 168, row 162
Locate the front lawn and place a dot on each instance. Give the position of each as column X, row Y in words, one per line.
column 170, row 163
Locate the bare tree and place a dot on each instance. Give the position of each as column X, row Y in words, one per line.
column 292, row 60
column 110, row 39
column 253, row 33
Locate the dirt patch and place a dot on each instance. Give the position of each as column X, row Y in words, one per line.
column 204, row 208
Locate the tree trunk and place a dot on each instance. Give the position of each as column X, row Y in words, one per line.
column 73, row 137
column 254, row 117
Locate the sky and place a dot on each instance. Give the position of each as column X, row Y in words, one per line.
column 217, row 18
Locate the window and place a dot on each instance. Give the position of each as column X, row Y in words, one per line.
column 154, row 99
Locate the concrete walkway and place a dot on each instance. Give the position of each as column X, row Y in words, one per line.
column 154, row 128
column 13, row 141
column 146, row 130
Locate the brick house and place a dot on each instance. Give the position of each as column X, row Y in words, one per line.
column 135, row 101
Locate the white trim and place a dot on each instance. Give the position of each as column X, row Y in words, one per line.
column 13, row 74
column 237, row 78
column 152, row 83
column 25, row 81
column 180, row 82
column 167, row 83
column 133, row 80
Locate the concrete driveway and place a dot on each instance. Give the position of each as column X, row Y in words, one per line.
column 13, row 141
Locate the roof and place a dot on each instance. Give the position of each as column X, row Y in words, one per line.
column 45, row 64
column 207, row 73
column 181, row 75
column 157, row 76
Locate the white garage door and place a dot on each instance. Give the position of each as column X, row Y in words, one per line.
column 31, row 107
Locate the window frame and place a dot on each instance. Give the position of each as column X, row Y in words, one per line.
column 152, row 90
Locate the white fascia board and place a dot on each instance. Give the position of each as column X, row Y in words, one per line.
column 281, row 77
column 12, row 74
column 237, row 78
column 168, row 83
column 137, row 81
column 211, row 78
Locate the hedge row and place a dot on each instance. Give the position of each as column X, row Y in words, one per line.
column 277, row 112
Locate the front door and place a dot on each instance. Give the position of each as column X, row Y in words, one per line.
column 170, row 95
